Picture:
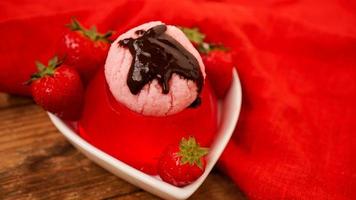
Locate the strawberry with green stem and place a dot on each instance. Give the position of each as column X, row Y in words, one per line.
column 217, row 59
column 197, row 38
column 84, row 49
column 181, row 164
column 58, row 89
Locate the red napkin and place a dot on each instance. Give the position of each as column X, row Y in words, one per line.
column 296, row 59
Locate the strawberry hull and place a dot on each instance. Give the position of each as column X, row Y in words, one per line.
column 136, row 139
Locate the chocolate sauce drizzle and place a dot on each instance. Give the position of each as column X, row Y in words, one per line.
column 157, row 55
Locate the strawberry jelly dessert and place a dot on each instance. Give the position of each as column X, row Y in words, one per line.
column 151, row 93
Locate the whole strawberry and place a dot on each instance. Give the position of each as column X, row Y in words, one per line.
column 58, row 89
column 182, row 163
column 84, row 49
column 217, row 60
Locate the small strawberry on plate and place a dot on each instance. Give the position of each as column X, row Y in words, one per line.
column 217, row 59
column 181, row 164
column 84, row 49
column 58, row 89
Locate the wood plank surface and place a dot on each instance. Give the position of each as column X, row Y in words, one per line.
column 38, row 163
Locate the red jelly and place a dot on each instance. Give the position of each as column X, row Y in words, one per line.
column 136, row 139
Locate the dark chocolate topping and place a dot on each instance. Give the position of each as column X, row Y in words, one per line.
column 157, row 55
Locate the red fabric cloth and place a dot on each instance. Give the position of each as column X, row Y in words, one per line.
column 297, row 62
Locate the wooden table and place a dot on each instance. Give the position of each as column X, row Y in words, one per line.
column 38, row 163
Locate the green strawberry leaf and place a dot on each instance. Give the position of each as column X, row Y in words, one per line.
column 193, row 34
column 191, row 152
column 44, row 70
column 91, row 33
column 197, row 37
column 52, row 63
column 40, row 66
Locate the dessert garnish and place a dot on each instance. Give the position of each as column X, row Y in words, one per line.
column 181, row 164
column 84, row 49
column 213, row 54
column 58, row 89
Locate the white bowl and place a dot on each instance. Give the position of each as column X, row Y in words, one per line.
column 229, row 112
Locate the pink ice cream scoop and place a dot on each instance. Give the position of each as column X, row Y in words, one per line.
column 152, row 99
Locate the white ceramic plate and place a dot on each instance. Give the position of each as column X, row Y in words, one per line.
column 229, row 112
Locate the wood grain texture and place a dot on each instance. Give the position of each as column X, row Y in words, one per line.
column 38, row 163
